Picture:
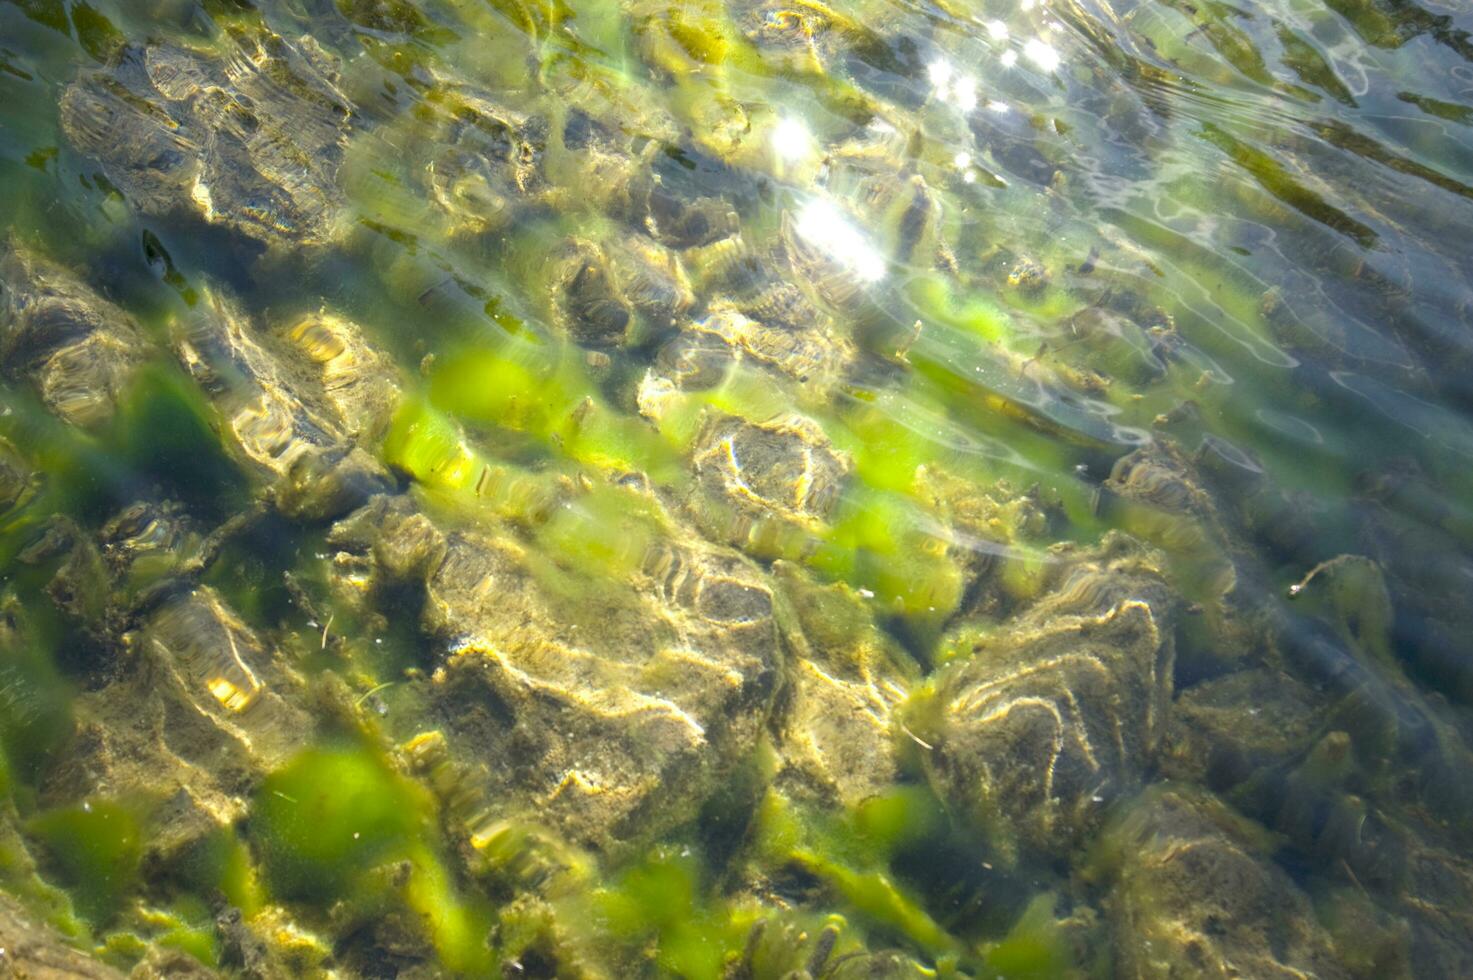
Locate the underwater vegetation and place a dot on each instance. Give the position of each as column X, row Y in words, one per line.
column 736, row 489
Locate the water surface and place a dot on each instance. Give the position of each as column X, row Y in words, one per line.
column 702, row 489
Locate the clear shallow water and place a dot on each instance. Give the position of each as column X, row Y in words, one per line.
column 718, row 490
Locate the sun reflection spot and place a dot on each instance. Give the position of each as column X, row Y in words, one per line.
column 821, row 224
column 791, row 139
column 997, row 30
column 940, row 74
column 964, row 93
column 1042, row 54
column 1009, row 59
column 948, row 86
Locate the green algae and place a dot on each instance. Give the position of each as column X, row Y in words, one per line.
column 335, row 824
column 96, row 848
column 326, row 818
column 660, row 899
column 222, row 863
column 34, row 703
column 852, row 855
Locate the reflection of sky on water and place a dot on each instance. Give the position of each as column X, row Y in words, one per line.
column 822, row 222
column 1003, row 49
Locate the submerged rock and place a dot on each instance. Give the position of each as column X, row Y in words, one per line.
column 1352, row 771
column 250, row 140
column 782, row 949
column 653, row 279
column 489, row 167
column 750, row 277
column 680, row 220
column 199, row 639
column 812, row 352
column 200, row 707
column 79, row 581
column 624, row 291
column 1160, row 495
column 36, row 951
column 766, row 485
column 996, row 535
column 785, row 469
column 848, row 680
column 148, row 541
column 607, row 709
column 294, row 406
column 1194, row 895
column 591, row 308
column 79, row 350
column 479, row 166
column 158, row 756
column 17, row 480
column 359, row 382
column 1224, row 730
column 704, row 579
column 1057, row 713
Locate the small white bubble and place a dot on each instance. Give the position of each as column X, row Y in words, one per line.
column 997, row 106
column 997, row 30
column 1009, row 58
column 962, row 160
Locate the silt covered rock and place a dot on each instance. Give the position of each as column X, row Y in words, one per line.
column 76, row 348
column 607, row 711
column 294, row 406
column 1194, row 895
column 251, row 141
column 1057, row 712
column 849, row 679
